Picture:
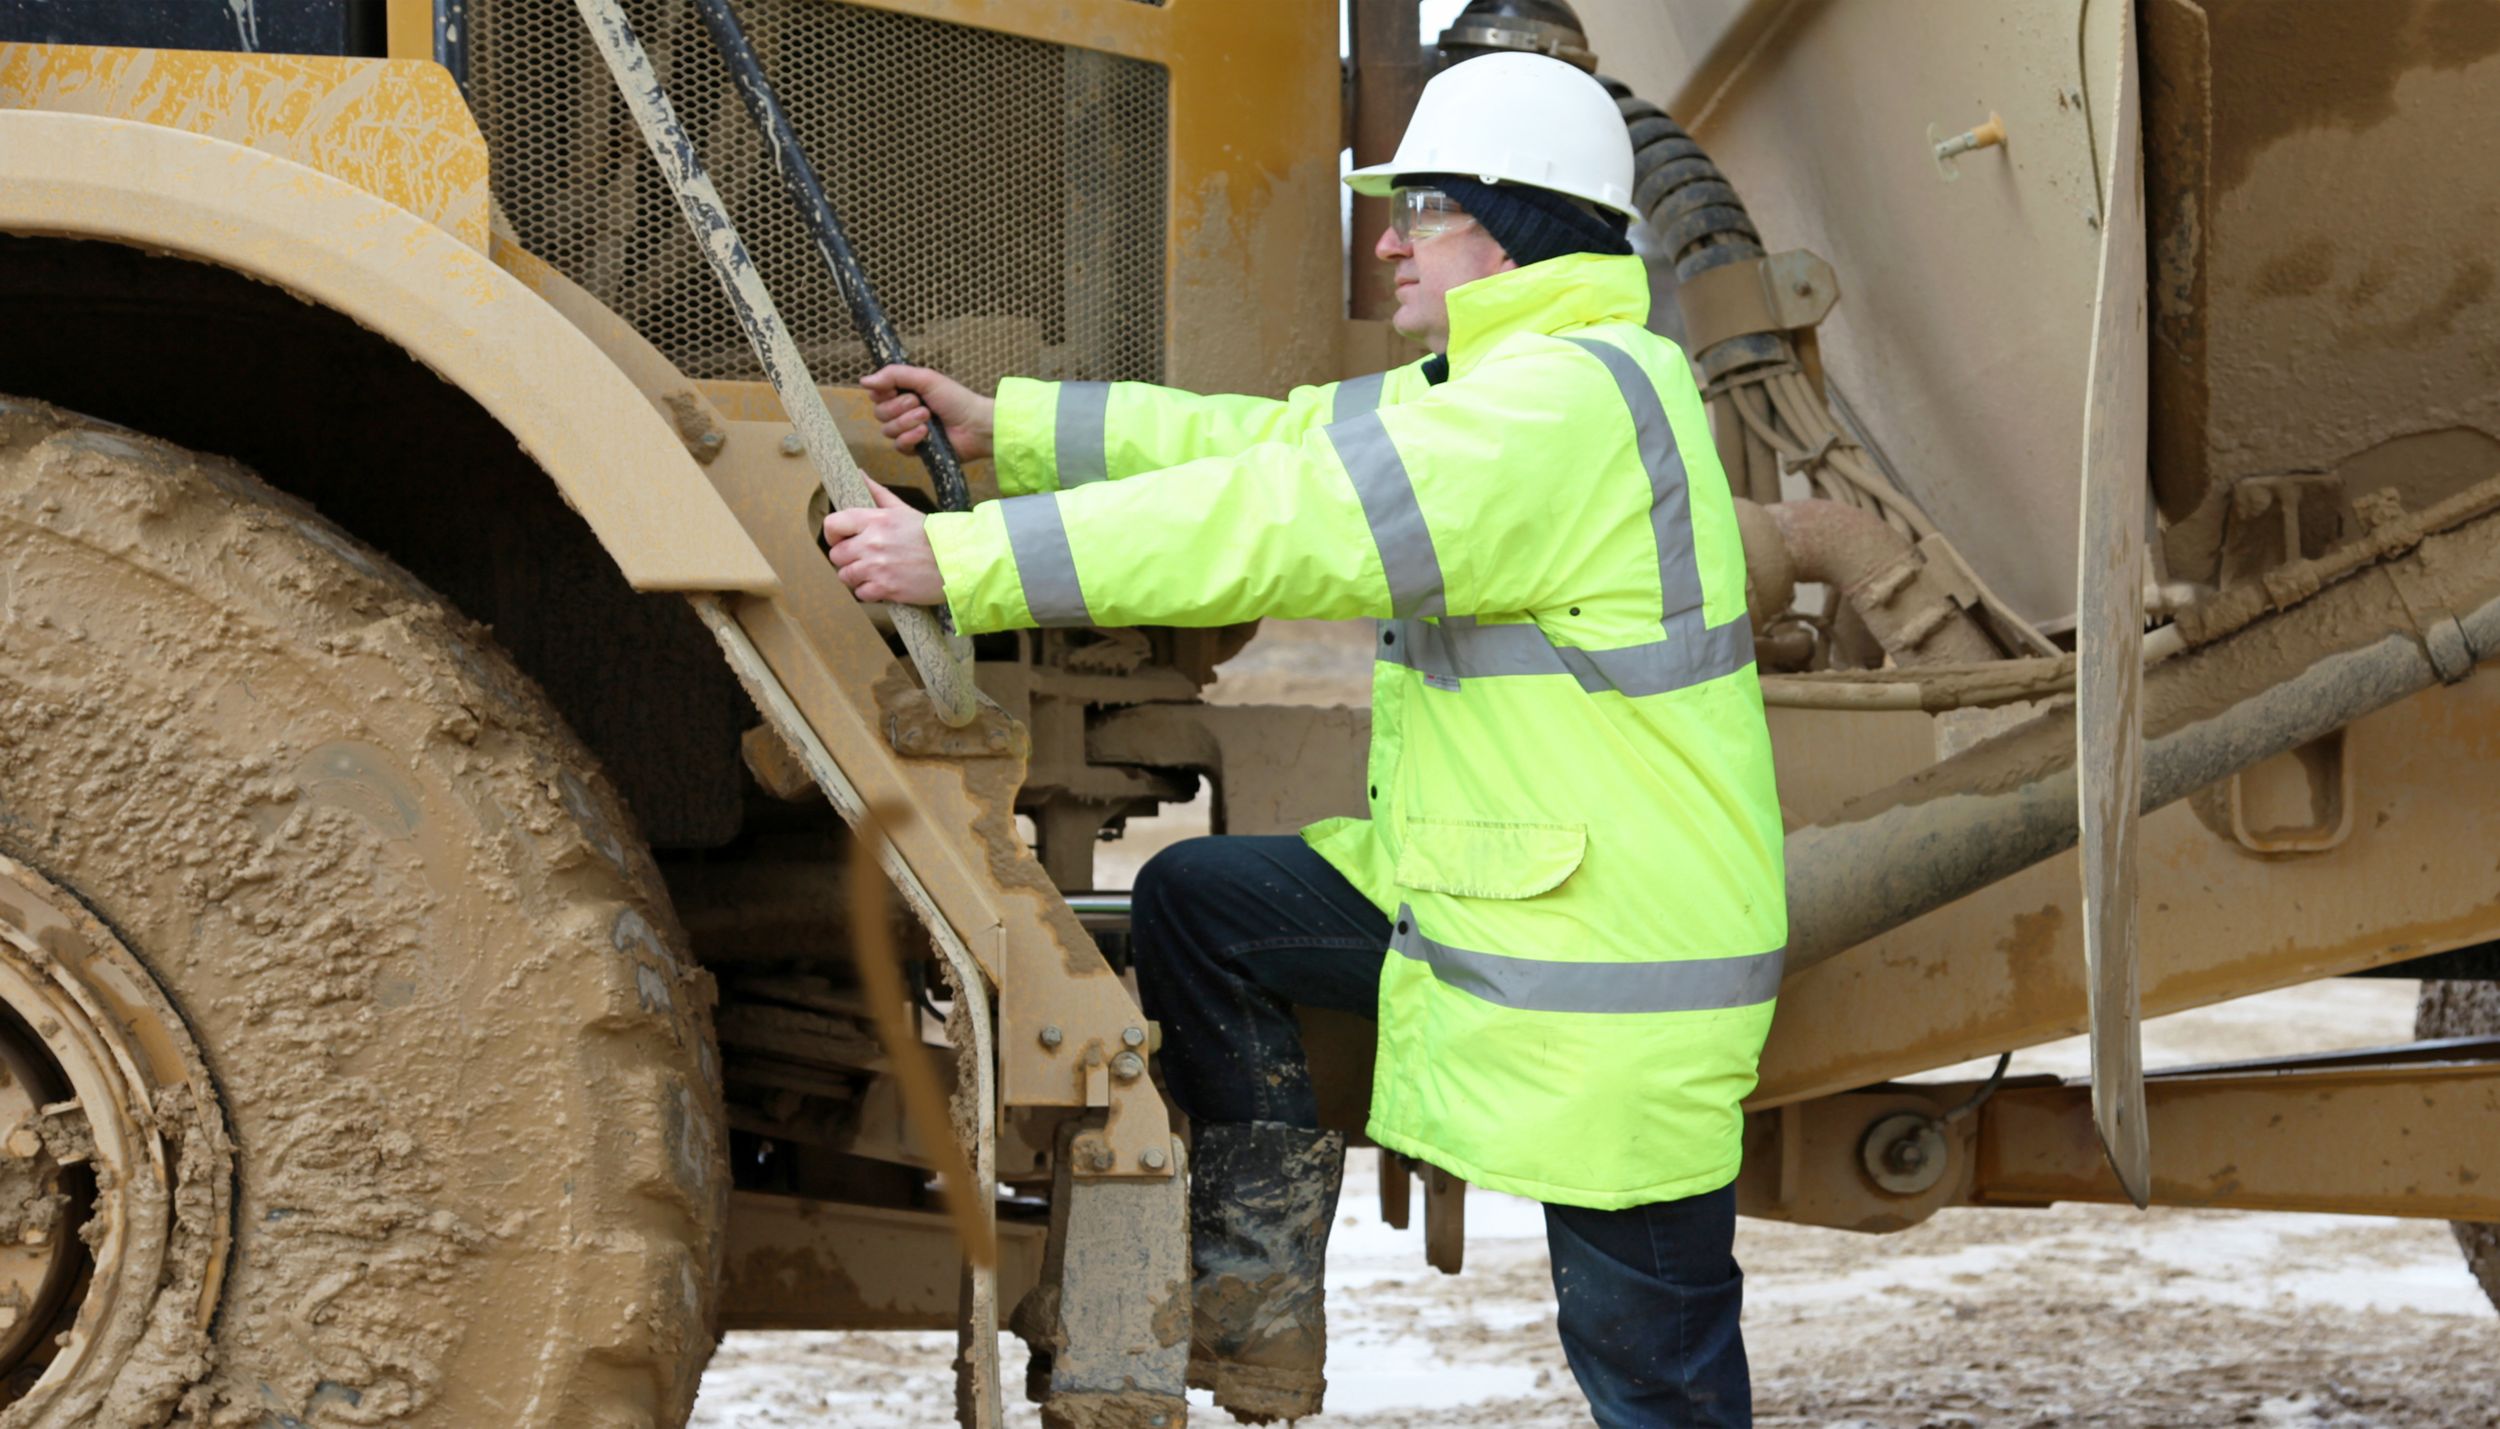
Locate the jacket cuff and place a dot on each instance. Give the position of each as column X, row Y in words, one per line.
column 1024, row 437
column 984, row 591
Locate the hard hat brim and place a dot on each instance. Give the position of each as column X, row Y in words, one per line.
column 1374, row 182
column 1378, row 180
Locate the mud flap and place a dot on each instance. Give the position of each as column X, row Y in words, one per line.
column 1109, row 1323
column 2109, row 649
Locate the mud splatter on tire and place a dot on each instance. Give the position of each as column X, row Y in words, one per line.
column 466, row 1062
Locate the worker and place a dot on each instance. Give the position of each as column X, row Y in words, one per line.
column 1565, row 908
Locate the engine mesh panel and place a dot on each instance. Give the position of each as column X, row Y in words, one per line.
column 1005, row 195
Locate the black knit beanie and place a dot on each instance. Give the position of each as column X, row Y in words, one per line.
column 1531, row 224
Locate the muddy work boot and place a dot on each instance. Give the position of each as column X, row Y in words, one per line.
column 1260, row 1200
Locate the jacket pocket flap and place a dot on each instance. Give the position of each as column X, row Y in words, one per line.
column 1484, row 858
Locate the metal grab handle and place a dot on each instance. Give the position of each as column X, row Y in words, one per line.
column 876, row 330
column 943, row 658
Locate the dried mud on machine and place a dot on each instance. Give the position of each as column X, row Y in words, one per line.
column 432, row 988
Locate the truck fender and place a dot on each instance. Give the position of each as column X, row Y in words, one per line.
column 616, row 460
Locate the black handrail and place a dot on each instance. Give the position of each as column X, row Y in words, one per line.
column 885, row 345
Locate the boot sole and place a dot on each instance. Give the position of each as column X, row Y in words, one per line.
column 1259, row 1394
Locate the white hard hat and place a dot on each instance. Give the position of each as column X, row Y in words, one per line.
column 1515, row 119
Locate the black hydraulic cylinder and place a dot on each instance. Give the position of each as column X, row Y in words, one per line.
column 885, row 345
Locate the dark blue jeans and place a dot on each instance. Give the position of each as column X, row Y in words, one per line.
column 1232, row 933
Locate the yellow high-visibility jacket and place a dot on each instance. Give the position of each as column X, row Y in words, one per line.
column 1573, row 825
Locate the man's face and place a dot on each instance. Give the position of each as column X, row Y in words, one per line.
column 1426, row 268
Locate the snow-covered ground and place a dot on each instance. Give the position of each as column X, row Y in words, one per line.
column 2071, row 1315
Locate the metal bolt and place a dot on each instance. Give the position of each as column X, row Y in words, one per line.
column 1052, row 1036
column 1128, row 1066
column 1133, row 1036
column 1100, row 1156
column 1152, row 1158
column 1985, row 136
column 1906, row 1153
column 23, row 1143
column 792, row 446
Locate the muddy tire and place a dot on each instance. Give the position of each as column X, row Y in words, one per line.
column 464, row 1064
column 2466, row 1009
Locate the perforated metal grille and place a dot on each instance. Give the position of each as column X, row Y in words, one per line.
column 1006, row 195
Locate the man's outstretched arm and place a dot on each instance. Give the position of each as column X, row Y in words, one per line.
column 1053, row 436
column 1203, row 546
column 1405, row 512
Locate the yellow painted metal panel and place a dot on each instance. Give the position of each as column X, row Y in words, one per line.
column 447, row 305
column 398, row 129
column 409, row 29
column 1256, row 268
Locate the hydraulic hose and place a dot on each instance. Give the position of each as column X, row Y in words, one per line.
column 1695, row 212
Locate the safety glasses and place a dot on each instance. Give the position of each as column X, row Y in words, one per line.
column 1421, row 215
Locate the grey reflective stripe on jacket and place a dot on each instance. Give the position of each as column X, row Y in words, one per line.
column 1038, row 536
column 1077, row 432
column 1692, row 651
column 1450, row 651
column 1670, row 499
column 1538, row 985
column 1357, row 395
column 1380, row 481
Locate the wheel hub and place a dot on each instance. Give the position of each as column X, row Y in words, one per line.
column 106, row 1113
column 41, row 1198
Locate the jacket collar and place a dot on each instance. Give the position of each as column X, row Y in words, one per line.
column 1567, row 292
